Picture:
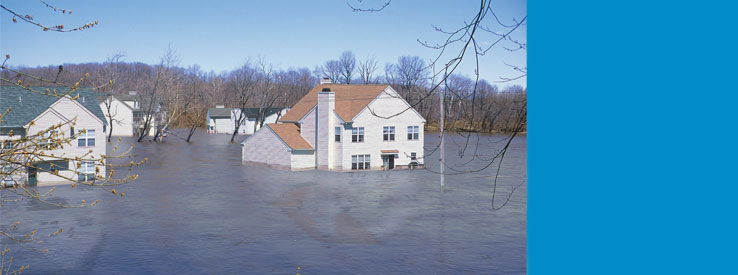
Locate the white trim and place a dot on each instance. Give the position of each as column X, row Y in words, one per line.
column 121, row 102
column 49, row 110
column 75, row 102
column 396, row 95
column 307, row 114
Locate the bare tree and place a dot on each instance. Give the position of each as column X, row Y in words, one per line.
column 331, row 69
column 347, row 65
column 459, row 44
column 269, row 92
column 242, row 83
column 367, row 69
column 112, row 72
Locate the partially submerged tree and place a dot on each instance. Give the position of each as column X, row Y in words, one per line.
column 242, row 83
column 112, row 72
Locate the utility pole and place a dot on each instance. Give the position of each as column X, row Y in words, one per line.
column 443, row 115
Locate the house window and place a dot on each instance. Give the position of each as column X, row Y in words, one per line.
column 86, row 138
column 338, row 134
column 357, row 134
column 48, row 142
column 52, row 166
column 412, row 132
column 7, row 144
column 360, row 162
column 389, row 133
column 86, row 171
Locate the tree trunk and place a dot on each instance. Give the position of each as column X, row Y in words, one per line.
column 192, row 132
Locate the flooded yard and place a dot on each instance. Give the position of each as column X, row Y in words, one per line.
column 196, row 209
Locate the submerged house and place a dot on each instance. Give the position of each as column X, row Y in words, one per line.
column 31, row 114
column 127, row 114
column 342, row 127
column 222, row 120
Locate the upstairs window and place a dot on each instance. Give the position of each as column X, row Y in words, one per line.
column 49, row 140
column 338, row 134
column 86, row 138
column 357, row 134
column 8, row 144
column 412, row 132
column 389, row 133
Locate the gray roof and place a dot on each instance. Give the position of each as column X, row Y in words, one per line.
column 125, row 97
column 219, row 112
column 250, row 112
column 33, row 104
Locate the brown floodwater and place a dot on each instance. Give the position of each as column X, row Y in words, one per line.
column 197, row 209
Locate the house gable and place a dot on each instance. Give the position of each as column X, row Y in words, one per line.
column 388, row 105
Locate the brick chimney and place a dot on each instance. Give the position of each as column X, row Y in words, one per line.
column 324, row 129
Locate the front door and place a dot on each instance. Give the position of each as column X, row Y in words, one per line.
column 389, row 162
column 32, row 171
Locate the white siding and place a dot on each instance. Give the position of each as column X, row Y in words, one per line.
column 307, row 128
column 67, row 109
column 302, row 161
column 223, row 125
column 265, row 147
column 386, row 104
column 122, row 118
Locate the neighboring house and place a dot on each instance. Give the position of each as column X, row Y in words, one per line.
column 127, row 114
column 32, row 113
column 222, row 120
column 342, row 127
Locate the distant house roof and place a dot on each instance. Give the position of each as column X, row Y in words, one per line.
column 290, row 134
column 26, row 106
column 125, row 97
column 253, row 112
column 350, row 100
column 250, row 112
column 219, row 112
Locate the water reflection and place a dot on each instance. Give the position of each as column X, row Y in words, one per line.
column 196, row 209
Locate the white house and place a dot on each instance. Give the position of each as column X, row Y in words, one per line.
column 342, row 127
column 33, row 113
column 222, row 120
column 127, row 116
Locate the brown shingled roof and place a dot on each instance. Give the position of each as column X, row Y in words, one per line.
column 290, row 134
column 350, row 100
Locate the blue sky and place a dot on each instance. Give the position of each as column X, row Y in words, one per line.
column 220, row 35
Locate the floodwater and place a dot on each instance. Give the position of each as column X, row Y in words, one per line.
column 196, row 209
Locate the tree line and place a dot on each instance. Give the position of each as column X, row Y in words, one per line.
column 187, row 92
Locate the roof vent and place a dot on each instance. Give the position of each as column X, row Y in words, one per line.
column 325, row 80
column 326, row 89
column 20, row 99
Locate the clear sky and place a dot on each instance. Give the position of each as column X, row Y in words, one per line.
column 220, row 35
